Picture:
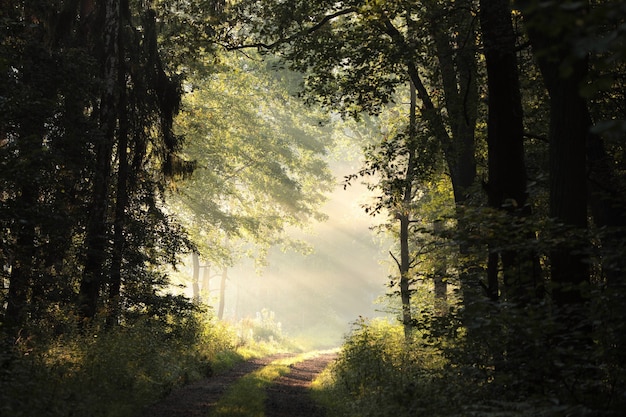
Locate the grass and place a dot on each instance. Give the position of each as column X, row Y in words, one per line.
column 116, row 373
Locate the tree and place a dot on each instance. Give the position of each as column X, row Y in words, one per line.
column 400, row 165
column 93, row 276
column 370, row 57
column 357, row 54
column 260, row 170
column 42, row 127
column 507, row 185
column 88, row 127
column 569, row 127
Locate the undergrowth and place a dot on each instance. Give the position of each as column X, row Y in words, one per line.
column 116, row 372
column 380, row 373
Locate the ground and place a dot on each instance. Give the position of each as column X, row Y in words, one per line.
column 286, row 397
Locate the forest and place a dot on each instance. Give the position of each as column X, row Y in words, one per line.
column 140, row 139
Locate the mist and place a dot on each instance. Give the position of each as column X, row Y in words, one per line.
column 319, row 294
column 315, row 296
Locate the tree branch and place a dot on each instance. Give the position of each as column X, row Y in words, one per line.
column 535, row 136
column 395, row 259
column 428, row 108
column 302, row 33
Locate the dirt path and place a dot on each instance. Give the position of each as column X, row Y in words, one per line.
column 288, row 396
column 197, row 399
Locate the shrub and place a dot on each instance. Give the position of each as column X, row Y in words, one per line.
column 110, row 373
column 380, row 373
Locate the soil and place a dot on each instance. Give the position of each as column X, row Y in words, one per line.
column 287, row 396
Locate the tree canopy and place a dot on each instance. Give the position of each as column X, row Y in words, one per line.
column 261, row 167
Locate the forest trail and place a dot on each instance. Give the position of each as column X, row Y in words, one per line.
column 287, row 396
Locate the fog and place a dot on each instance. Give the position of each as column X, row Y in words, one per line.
column 315, row 296
column 320, row 294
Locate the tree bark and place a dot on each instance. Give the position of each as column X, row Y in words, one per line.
column 507, row 184
column 404, row 269
column 459, row 78
column 97, row 228
column 409, row 194
column 607, row 203
column 458, row 149
column 507, row 188
column 121, row 205
column 222, row 301
column 563, row 75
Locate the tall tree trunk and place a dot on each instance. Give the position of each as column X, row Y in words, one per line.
column 121, row 205
column 568, row 177
column 607, row 201
column 552, row 29
column 222, row 300
column 507, row 188
column 563, row 75
column 195, row 277
column 404, row 266
column 459, row 149
column 405, row 217
column 459, row 78
column 97, row 228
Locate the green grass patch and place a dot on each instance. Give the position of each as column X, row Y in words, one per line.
column 321, row 389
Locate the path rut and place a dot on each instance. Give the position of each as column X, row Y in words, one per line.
column 288, row 396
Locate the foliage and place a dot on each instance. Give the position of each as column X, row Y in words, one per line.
column 380, row 373
column 260, row 167
column 118, row 372
column 112, row 373
column 87, row 151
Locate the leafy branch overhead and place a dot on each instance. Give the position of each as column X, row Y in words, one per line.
column 260, row 169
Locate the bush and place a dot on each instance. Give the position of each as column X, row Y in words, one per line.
column 380, row 373
column 456, row 373
column 110, row 373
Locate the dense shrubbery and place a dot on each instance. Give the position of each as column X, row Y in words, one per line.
column 380, row 373
column 114, row 372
